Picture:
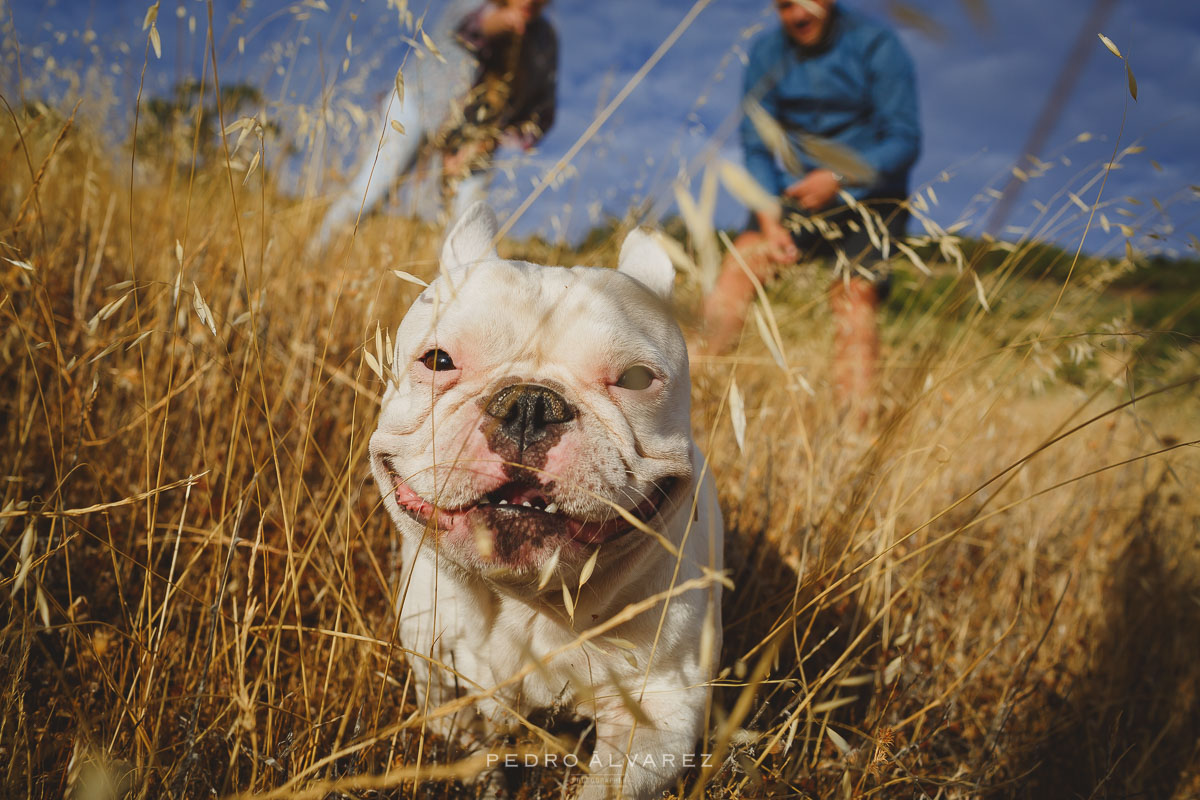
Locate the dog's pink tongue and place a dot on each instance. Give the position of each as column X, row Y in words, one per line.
column 407, row 498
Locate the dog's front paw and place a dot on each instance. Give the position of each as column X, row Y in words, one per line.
column 490, row 785
column 598, row 787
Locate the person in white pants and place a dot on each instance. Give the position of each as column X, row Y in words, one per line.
column 496, row 85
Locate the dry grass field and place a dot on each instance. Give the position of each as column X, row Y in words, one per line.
column 992, row 591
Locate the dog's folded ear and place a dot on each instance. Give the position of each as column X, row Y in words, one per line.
column 644, row 259
column 472, row 239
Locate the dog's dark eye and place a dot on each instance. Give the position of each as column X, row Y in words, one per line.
column 636, row 377
column 438, row 361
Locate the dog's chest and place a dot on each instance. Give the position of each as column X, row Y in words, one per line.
column 522, row 639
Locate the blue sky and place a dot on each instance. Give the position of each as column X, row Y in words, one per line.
column 981, row 89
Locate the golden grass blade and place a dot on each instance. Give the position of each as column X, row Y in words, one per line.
column 764, row 333
column 838, row 741
column 410, row 278
column 432, row 48
column 742, row 185
column 839, row 158
column 589, row 567
column 679, row 257
column 913, row 258
column 379, row 351
column 10, row 510
column 774, row 137
column 1112, row 48
column 43, row 607
column 547, row 570
column 791, row 737
column 631, row 705
column 111, row 307
column 111, row 348
column 568, row 602
column 892, row 670
column 24, row 558
column 868, row 223
column 617, row 641
column 400, row 86
column 140, row 338
column 835, row 703
column 202, row 309
column 707, row 201
column 700, row 229
column 374, row 365
column 708, row 637
column 253, row 164
column 979, row 291
column 737, row 414
column 864, row 679
column 249, row 126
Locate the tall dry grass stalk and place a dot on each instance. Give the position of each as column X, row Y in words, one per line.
column 992, row 591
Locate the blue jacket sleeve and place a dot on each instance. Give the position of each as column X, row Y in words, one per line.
column 759, row 85
column 893, row 88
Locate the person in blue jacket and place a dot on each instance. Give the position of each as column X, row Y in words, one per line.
column 843, row 89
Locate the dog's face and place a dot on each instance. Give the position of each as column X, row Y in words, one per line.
column 534, row 408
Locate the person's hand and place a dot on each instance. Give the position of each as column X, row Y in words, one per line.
column 780, row 247
column 815, row 190
column 505, row 19
column 458, row 163
column 454, row 163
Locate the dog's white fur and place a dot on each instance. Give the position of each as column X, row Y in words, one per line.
column 472, row 615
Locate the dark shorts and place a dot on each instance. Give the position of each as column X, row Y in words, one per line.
column 842, row 228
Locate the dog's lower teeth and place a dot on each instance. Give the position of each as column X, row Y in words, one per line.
column 503, row 502
column 552, row 508
column 527, row 504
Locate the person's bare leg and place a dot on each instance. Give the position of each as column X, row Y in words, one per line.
column 855, row 346
column 725, row 307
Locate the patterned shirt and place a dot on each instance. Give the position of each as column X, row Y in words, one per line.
column 513, row 93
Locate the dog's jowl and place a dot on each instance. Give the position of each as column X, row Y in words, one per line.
column 561, row 539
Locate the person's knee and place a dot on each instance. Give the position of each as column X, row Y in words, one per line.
column 747, row 240
column 854, row 294
column 753, row 248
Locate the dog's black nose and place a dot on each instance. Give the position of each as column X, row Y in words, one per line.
column 528, row 412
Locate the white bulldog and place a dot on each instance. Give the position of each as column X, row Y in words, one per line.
column 561, row 538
